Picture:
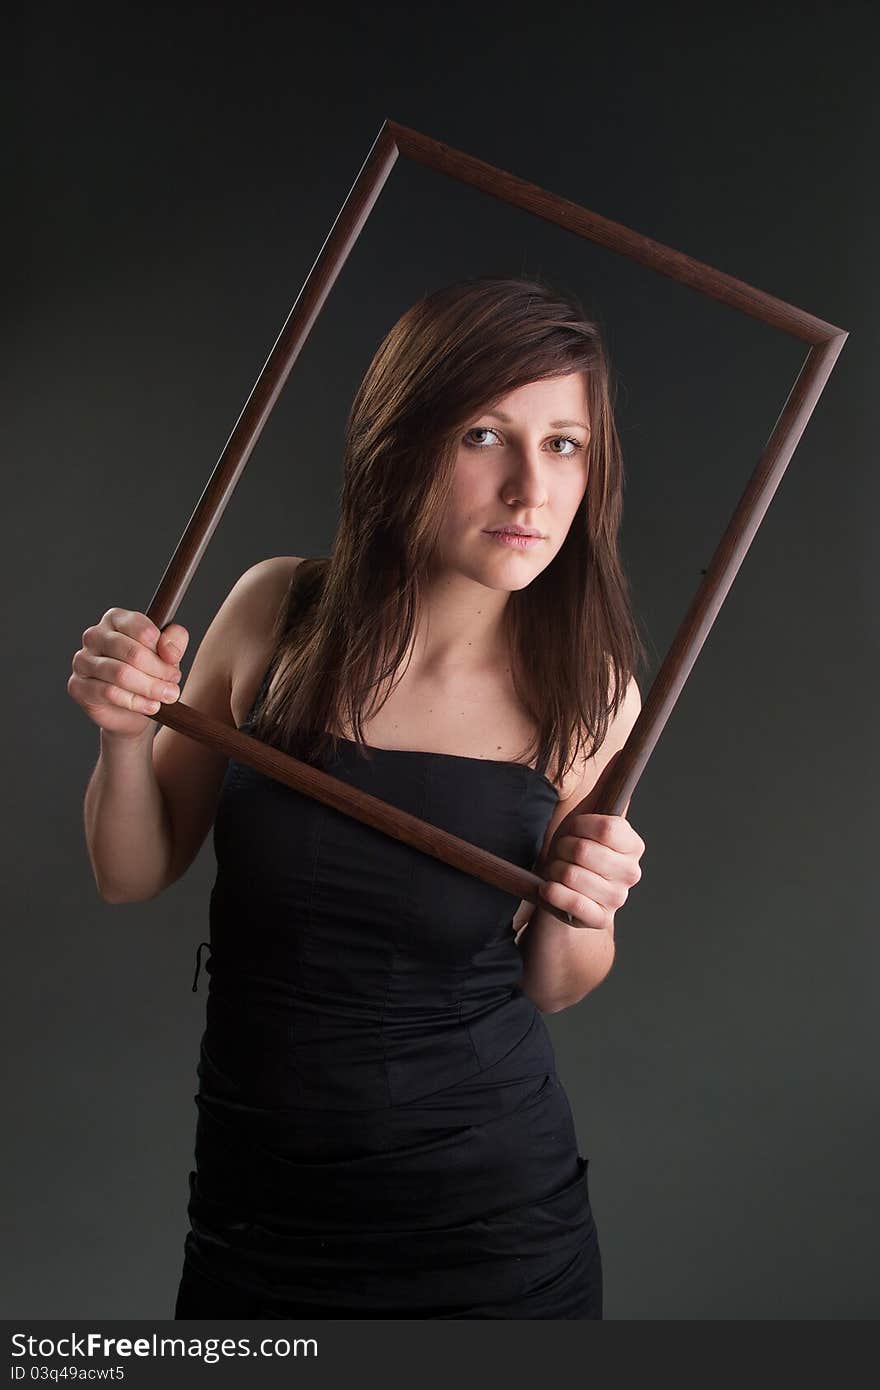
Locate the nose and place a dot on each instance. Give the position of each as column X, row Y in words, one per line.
column 525, row 483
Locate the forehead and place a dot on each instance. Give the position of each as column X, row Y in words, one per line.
column 542, row 402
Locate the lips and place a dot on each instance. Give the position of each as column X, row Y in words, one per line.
column 514, row 531
column 515, row 540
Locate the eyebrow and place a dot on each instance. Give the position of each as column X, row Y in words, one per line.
column 554, row 424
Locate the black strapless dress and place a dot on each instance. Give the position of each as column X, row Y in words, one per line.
column 381, row 1131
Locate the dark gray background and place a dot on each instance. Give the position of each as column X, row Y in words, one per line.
column 173, row 178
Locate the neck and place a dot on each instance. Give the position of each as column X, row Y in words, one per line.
column 460, row 628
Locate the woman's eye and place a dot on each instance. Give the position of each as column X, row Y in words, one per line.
column 575, row 445
column 563, row 438
column 480, row 429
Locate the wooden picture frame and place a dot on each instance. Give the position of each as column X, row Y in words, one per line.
column 621, row 776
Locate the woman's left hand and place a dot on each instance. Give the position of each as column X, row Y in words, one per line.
column 591, row 864
column 592, row 861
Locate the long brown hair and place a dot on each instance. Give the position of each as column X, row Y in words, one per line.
column 349, row 619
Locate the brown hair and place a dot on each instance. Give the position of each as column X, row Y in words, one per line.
column 349, row 619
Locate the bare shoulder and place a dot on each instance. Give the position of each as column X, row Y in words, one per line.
column 259, row 594
column 587, row 770
column 237, row 640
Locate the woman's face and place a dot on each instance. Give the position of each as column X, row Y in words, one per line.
column 529, row 470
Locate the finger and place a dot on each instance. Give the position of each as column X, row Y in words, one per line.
column 172, row 642
column 613, row 831
column 111, row 673
column 94, row 692
column 122, row 646
column 606, row 892
column 134, row 624
column 584, row 912
column 589, row 854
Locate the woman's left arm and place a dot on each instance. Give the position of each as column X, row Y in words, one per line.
column 589, row 863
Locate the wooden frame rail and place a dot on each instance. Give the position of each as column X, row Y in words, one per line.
column 621, row 776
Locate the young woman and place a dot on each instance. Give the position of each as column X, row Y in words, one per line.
column 381, row 1130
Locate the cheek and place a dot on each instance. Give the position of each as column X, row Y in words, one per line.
column 576, row 491
column 471, row 493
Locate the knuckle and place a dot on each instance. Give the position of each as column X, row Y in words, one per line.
column 117, row 674
column 569, row 875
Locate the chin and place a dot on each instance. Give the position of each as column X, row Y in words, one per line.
column 508, row 584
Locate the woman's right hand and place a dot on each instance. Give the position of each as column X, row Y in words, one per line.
column 121, row 671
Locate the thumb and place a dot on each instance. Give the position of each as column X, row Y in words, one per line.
column 172, row 642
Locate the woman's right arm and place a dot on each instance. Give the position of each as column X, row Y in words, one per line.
column 153, row 794
column 127, row 823
column 123, row 672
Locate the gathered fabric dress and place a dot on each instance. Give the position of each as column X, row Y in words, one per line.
column 381, row 1132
